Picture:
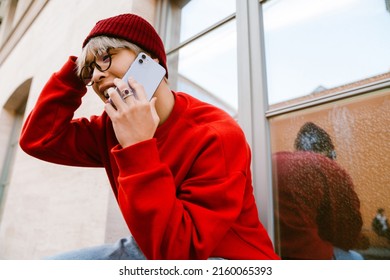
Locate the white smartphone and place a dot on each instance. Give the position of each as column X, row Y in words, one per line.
column 147, row 72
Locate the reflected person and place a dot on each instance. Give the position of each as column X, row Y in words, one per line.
column 319, row 211
column 380, row 224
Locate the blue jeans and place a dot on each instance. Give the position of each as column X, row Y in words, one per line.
column 124, row 249
column 340, row 254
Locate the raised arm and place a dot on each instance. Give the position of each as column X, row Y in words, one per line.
column 50, row 133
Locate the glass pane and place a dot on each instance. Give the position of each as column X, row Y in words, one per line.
column 198, row 15
column 326, row 161
column 207, row 68
column 313, row 45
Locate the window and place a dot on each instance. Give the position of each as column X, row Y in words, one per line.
column 328, row 89
column 1, row 12
column 7, row 15
column 10, row 152
column 202, row 50
column 15, row 18
column 318, row 191
column 11, row 119
column 298, row 61
column 314, row 46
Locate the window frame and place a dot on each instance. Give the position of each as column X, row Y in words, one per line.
column 251, row 64
column 253, row 107
column 252, row 104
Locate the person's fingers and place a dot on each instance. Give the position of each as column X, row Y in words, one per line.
column 138, row 89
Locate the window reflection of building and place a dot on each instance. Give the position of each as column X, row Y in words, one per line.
column 323, row 93
column 359, row 125
column 342, row 83
column 187, row 85
column 202, row 51
column 327, row 43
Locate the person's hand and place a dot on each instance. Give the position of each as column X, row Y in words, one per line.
column 135, row 118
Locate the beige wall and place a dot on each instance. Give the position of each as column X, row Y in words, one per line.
column 48, row 208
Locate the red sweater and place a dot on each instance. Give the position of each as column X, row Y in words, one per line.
column 185, row 194
column 318, row 207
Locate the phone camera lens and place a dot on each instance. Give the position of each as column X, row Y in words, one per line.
column 144, row 56
column 140, row 61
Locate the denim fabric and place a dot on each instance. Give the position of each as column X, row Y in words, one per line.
column 340, row 254
column 124, row 249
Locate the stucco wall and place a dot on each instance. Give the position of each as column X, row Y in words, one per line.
column 46, row 208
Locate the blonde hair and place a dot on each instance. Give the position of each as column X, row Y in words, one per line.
column 99, row 45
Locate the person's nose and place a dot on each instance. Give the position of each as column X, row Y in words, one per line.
column 98, row 75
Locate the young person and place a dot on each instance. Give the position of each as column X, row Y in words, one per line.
column 319, row 210
column 179, row 168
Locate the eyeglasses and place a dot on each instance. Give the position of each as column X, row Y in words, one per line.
column 103, row 65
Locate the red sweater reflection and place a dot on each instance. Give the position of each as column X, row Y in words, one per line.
column 318, row 207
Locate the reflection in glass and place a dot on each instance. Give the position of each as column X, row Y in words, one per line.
column 207, row 68
column 318, row 209
column 359, row 130
column 313, row 45
column 198, row 15
column 380, row 224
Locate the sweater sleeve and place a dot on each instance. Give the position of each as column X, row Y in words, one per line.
column 188, row 219
column 50, row 133
column 343, row 223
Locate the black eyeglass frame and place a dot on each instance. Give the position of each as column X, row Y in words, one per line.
column 87, row 70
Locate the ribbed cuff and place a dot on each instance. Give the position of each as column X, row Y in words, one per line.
column 138, row 157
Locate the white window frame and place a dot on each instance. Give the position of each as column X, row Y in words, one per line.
column 252, row 104
column 252, row 95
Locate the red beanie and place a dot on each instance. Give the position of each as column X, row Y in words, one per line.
column 134, row 29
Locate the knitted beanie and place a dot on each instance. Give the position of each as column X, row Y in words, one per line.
column 134, row 29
